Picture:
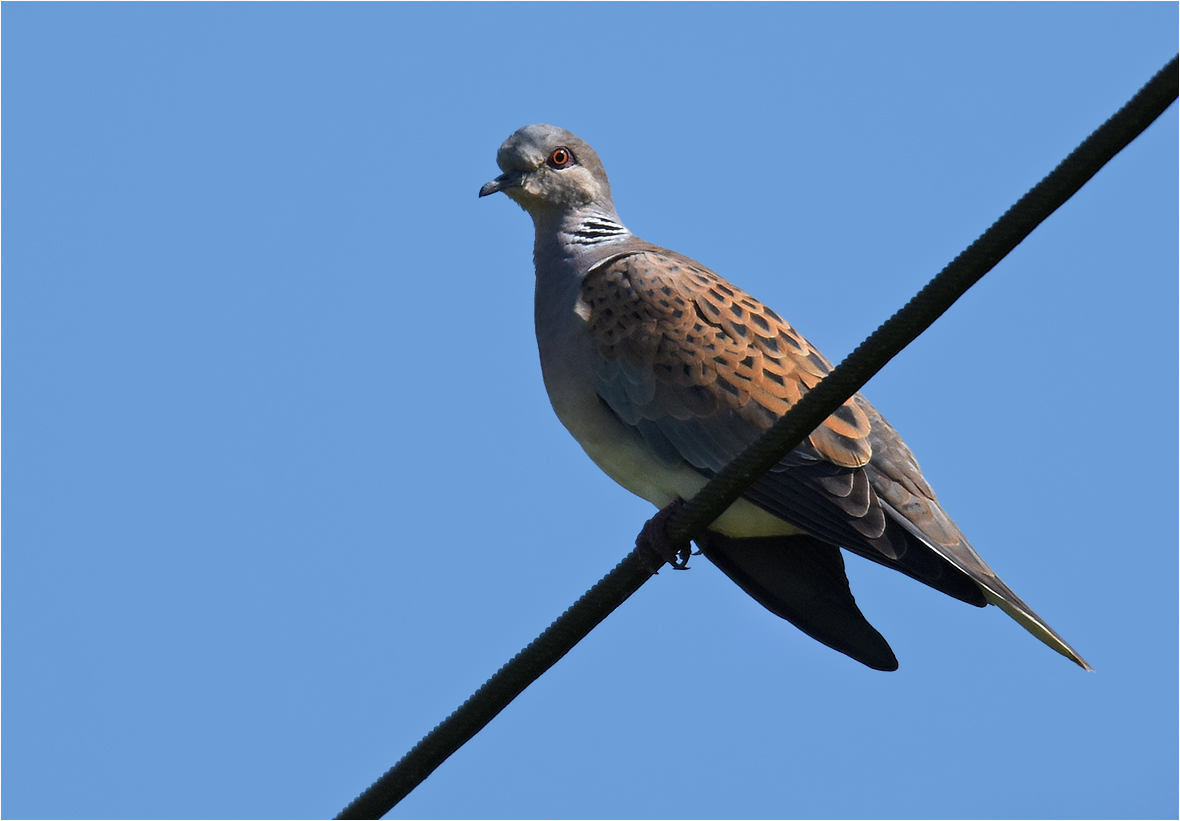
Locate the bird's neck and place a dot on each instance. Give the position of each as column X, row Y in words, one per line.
column 578, row 239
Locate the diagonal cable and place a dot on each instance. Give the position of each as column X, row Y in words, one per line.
column 927, row 305
column 728, row 485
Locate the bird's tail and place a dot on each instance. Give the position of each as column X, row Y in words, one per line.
column 802, row 580
column 1001, row 596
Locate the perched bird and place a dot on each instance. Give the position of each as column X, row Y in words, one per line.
column 663, row 371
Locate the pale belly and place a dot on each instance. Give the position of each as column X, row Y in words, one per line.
column 623, row 455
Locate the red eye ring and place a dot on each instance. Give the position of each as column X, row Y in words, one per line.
column 561, row 157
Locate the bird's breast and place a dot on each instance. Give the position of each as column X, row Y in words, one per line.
column 569, row 362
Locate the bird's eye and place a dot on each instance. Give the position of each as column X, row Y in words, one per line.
column 560, row 158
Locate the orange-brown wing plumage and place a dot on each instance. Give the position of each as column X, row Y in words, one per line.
column 690, row 345
column 702, row 368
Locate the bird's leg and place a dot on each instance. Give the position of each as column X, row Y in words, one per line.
column 658, row 547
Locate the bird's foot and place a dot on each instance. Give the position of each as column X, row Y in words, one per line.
column 658, row 547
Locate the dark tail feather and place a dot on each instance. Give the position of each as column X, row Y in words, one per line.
column 802, row 580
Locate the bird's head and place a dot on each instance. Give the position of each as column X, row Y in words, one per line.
column 549, row 171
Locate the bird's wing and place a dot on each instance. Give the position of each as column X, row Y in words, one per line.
column 700, row 369
column 677, row 341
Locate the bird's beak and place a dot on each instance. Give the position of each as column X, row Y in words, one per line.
column 509, row 179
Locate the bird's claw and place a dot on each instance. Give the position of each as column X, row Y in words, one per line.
column 660, row 549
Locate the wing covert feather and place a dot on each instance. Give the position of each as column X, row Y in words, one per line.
column 679, row 345
column 702, row 369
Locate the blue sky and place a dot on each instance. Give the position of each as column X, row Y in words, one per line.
column 283, row 486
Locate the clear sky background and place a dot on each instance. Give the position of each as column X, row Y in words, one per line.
column 283, row 487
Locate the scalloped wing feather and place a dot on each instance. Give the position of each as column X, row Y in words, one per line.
column 677, row 341
column 702, row 369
